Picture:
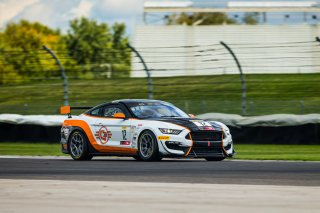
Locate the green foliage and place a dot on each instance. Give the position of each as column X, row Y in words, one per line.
column 121, row 53
column 199, row 19
column 29, row 36
column 7, row 73
column 251, row 18
column 209, row 19
column 88, row 51
column 120, row 71
column 88, row 42
column 97, row 47
column 21, row 56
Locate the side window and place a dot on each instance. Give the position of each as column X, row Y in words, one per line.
column 110, row 111
column 95, row 112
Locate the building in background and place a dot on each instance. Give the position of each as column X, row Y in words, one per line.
column 277, row 47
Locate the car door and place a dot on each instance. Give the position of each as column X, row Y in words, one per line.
column 91, row 119
column 114, row 132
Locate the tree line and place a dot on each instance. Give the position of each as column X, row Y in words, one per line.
column 87, row 50
column 216, row 18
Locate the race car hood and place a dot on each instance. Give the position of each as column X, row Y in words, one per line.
column 193, row 124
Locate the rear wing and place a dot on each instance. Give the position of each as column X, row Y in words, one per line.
column 66, row 110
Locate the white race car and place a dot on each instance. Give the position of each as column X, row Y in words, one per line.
column 144, row 129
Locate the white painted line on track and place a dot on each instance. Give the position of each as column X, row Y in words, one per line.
column 34, row 157
column 105, row 196
column 127, row 158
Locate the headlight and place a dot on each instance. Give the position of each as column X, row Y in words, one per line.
column 170, row 131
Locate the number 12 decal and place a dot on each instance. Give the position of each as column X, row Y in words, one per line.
column 124, row 134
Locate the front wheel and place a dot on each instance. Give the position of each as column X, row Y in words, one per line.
column 148, row 147
column 215, row 158
column 78, row 146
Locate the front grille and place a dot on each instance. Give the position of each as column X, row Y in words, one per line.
column 206, row 152
column 206, row 144
column 205, row 136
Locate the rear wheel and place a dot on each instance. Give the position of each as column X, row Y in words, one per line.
column 78, row 146
column 148, row 147
column 215, row 158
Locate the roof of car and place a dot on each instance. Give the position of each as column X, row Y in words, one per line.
column 127, row 101
column 136, row 100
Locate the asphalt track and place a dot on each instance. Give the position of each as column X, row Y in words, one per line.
column 167, row 171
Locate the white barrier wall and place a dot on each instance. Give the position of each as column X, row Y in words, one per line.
column 196, row 50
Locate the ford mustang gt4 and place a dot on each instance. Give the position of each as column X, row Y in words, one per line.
column 147, row 130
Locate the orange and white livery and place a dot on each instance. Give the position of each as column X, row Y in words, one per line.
column 144, row 129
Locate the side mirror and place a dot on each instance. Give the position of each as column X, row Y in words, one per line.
column 192, row 116
column 119, row 115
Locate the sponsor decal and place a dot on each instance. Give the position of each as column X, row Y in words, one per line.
column 124, row 142
column 103, row 135
column 202, row 125
column 208, row 128
column 124, row 127
column 124, row 134
column 164, row 137
column 139, row 124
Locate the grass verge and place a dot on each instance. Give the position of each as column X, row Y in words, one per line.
column 31, row 149
column 278, row 152
column 266, row 94
column 244, row 151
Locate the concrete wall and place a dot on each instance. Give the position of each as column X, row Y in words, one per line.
column 260, row 49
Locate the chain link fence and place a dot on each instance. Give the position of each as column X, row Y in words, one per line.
column 259, row 107
column 210, row 91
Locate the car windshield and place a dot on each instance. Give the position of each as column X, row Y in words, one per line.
column 156, row 110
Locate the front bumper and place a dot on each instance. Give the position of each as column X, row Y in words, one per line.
column 199, row 144
column 65, row 132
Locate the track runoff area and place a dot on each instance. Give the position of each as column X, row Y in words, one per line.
column 51, row 184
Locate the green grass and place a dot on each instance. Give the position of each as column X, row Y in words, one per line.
column 244, row 151
column 32, row 149
column 278, row 152
column 266, row 94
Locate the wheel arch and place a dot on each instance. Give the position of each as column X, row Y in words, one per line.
column 144, row 130
column 161, row 148
column 78, row 128
column 75, row 128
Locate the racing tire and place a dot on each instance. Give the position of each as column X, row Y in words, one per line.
column 215, row 158
column 148, row 149
column 78, row 146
